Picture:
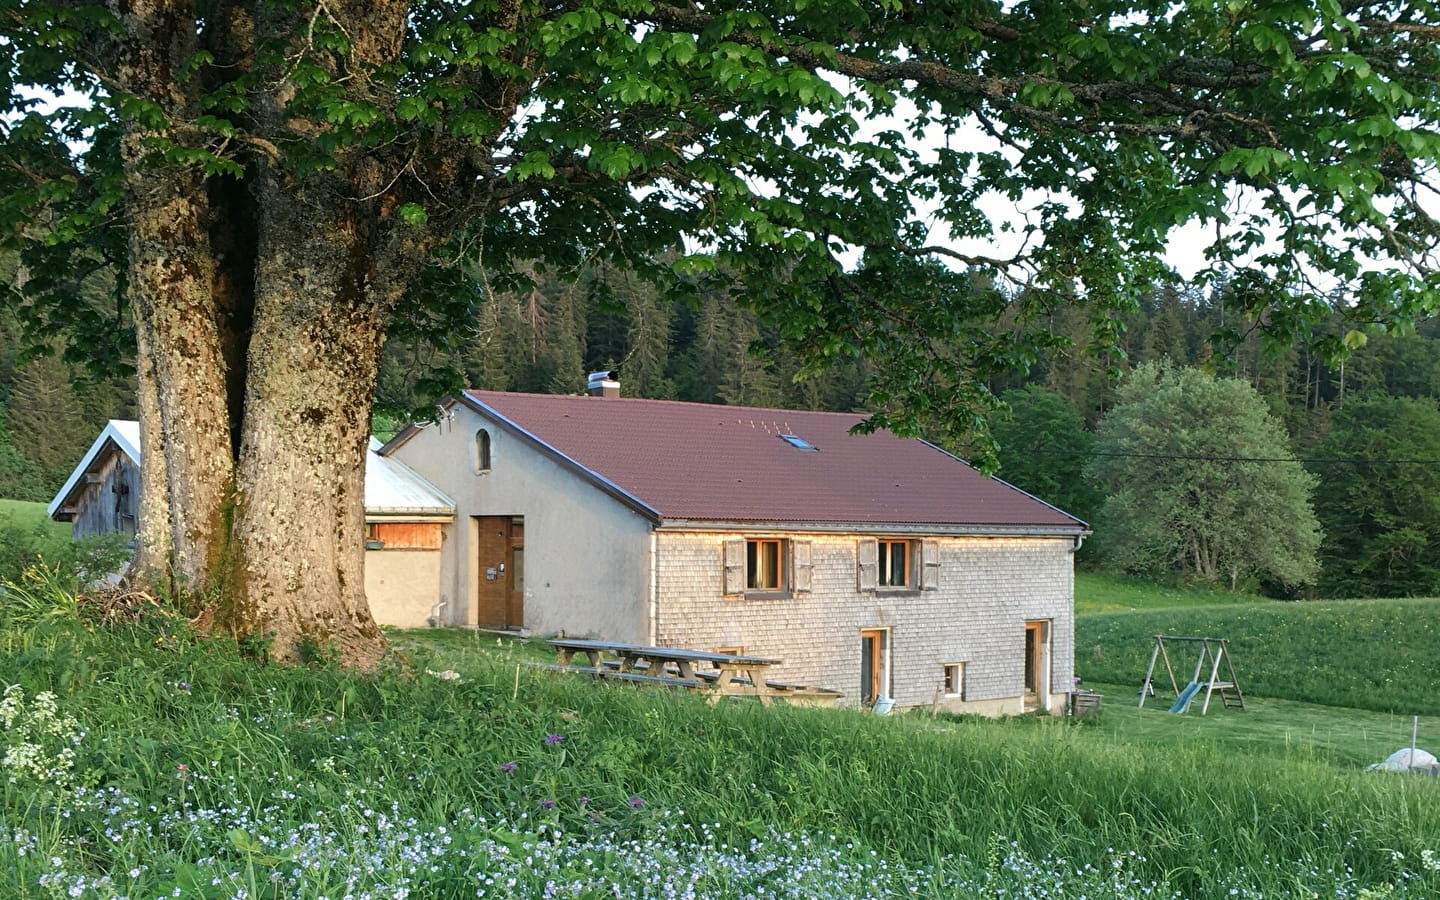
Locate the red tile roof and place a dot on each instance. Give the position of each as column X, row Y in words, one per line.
column 728, row 463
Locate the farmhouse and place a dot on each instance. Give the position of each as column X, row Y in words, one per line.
column 405, row 518
column 872, row 564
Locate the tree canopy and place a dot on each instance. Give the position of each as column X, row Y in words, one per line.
column 1381, row 503
column 1201, row 480
column 1044, row 449
column 275, row 186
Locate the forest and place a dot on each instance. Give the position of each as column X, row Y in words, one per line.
column 1294, row 471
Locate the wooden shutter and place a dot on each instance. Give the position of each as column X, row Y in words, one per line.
column 929, row 566
column 734, row 559
column 867, row 553
column 804, row 568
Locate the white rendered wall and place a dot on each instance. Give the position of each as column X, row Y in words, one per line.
column 587, row 556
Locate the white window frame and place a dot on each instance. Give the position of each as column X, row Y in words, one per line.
column 952, row 681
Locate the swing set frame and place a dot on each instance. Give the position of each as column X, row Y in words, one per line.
column 1212, row 651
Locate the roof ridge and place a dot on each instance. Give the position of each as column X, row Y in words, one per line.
column 480, row 392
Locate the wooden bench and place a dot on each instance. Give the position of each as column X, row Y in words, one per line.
column 735, row 675
column 611, row 671
column 559, row 667
column 639, row 678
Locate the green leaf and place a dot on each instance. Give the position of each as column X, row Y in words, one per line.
column 413, row 214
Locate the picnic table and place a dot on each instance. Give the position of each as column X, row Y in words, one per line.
column 729, row 675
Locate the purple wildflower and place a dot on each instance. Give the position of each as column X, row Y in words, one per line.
column 508, row 767
column 553, row 739
column 584, row 800
column 547, row 804
column 637, row 802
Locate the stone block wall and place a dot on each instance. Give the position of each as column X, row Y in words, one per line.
column 988, row 589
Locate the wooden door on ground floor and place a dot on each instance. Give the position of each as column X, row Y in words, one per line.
column 1037, row 665
column 501, row 564
column 874, row 665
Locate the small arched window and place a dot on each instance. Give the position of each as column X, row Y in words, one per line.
column 482, row 452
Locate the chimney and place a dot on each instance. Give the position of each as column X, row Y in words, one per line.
column 604, row 384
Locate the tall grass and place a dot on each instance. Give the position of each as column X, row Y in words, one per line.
column 1366, row 654
column 199, row 770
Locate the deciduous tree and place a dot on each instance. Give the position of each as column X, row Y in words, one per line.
column 270, row 178
column 1199, row 479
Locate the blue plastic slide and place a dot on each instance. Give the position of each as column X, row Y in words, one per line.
column 1182, row 702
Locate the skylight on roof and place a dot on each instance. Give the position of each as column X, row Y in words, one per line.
column 797, row 441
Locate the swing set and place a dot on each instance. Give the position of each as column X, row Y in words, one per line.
column 1213, row 653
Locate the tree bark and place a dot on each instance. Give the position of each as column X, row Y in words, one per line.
column 330, row 270
column 174, row 277
column 328, row 260
column 153, row 543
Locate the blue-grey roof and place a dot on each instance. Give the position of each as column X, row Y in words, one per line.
column 393, row 488
column 123, row 433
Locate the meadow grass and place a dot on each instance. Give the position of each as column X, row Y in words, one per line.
column 1103, row 592
column 1379, row 655
column 194, row 771
column 28, row 516
column 1351, row 738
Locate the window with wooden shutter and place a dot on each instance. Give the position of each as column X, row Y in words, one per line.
column 953, row 679
column 929, row 565
column 804, row 567
column 734, row 561
column 868, row 557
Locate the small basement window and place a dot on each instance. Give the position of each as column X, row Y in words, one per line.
column 798, row 442
column 954, row 679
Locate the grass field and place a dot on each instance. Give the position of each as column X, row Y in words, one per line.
column 147, row 762
column 1337, row 735
column 28, row 516
column 1095, row 592
column 1379, row 655
column 194, row 768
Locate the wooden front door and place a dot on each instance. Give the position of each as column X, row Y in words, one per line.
column 872, row 665
column 1037, row 665
column 501, row 594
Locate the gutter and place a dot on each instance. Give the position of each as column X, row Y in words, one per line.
column 1075, row 533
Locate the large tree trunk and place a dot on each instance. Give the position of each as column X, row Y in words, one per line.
column 184, row 285
column 174, row 276
column 262, row 301
column 324, row 288
column 153, row 544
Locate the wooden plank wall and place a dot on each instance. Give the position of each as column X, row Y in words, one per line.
column 406, row 535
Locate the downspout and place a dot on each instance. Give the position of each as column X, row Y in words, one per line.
column 654, row 636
